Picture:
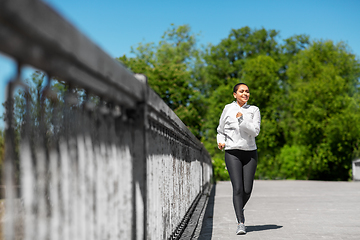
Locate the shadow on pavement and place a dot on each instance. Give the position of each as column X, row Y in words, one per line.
column 207, row 224
column 262, row 227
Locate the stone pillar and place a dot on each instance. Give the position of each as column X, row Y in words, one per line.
column 356, row 170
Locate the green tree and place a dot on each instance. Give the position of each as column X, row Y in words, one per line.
column 170, row 68
column 226, row 60
column 323, row 110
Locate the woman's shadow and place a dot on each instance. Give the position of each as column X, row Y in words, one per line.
column 257, row 228
column 207, row 223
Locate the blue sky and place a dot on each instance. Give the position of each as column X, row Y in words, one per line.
column 116, row 25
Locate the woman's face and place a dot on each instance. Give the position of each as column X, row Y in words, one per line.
column 242, row 94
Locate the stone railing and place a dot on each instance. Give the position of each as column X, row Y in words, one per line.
column 115, row 163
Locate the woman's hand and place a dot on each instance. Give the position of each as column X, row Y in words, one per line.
column 221, row 146
column 239, row 114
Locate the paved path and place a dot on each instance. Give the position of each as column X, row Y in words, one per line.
column 286, row 210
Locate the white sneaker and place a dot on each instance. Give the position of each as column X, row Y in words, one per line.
column 241, row 229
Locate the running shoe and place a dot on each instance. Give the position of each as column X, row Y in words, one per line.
column 241, row 229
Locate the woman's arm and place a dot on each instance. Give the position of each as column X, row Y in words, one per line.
column 220, row 130
column 252, row 127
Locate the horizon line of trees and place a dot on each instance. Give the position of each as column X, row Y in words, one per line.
column 308, row 93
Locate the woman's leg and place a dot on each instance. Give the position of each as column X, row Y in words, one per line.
column 249, row 160
column 241, row 166
column 235, row 169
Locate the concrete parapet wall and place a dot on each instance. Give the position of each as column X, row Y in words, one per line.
column 126, row 168
column 178, row 168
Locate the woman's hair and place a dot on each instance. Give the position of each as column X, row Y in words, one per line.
column 236, row 87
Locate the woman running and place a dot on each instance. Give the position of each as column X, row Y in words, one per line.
column 238, row 126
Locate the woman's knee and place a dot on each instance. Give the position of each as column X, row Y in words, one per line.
column 247, row 194
column 247, row 191
column 238, row 191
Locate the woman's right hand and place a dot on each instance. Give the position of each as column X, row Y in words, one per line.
column 239, row 114
column 221, row 146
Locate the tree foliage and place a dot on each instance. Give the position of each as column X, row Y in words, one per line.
column 170, row 66
column 323, row 108
column 307, row 92
column 226, row 60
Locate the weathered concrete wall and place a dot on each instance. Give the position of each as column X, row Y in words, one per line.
column 178, row 168
column 124, row 168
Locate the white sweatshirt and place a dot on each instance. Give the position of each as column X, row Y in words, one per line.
column 239, row 133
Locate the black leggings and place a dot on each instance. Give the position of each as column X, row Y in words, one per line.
column 241, row 166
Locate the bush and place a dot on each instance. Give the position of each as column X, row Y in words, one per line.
column 293, row 162
column 220, row 170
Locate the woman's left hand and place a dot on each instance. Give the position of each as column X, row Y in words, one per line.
column 239, row 114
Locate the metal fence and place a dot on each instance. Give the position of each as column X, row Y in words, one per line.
column 106, row 158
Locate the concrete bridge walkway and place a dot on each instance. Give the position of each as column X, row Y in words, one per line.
column 285, row 210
